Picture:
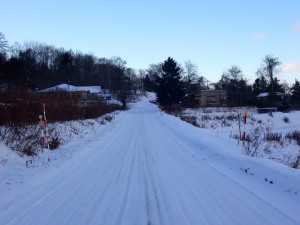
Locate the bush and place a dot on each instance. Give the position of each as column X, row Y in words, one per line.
column 286, row 119
column 19, row 112
column 54, row 143
column 24, row 107
column 190, row 119
column 273, row 137
column 205, row 118
column 22, row 139
column 255, row 140
column 295, row 135
column 171, row 109
column 108, row 118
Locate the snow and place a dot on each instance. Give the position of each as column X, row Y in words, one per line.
column 264, row 94
column 67, row 87
column 114, row 102
column 147, row 167
column 223, row 122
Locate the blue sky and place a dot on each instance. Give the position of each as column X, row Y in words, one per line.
column 213, row 34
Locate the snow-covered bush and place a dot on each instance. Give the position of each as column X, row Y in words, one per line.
column 294, row 135
column 286, row 119
column 264, row 134
column 190, row 119
column 25, row 139
column 22, row 139
column 262, row 142
column 255, row 141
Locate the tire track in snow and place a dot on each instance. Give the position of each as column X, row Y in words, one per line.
column 215, row 184
column 145, row 174
column 151, row 184
column 78, row 179
column 171, row 169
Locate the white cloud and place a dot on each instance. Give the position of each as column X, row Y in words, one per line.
column 290, row 72
column 297, row 27
column 260, row 36
column 289, row 67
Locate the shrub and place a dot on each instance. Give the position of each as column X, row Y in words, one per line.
column 232, row 117
column 54, row 143
column 295, row 135
column 286, row 119
column 24, row 107
column 19, row 113
column 108, row 118
column 171, row 109
column 22, row 139
column 273, row 137
column 205, row 118
column 190, row 119
column 254, row 140
column 235, row 136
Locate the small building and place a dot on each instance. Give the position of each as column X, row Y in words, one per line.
column 71, row 88
column 82, row 92
column 212, row 98
column 279, row 100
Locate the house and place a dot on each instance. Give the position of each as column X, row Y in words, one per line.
column 265, row 96
column 211, row 98
column 279, row 100
column 83, row 92
column 71, row 88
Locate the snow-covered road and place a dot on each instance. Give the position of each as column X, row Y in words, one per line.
column 145, row 172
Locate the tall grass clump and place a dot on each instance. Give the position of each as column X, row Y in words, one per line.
column 294, row 135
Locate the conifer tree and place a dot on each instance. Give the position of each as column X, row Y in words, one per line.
column 296, row 92
column 170, row 89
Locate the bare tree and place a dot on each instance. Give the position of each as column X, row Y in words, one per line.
column 119, row 62
column 15, row 49
column 235, row 73
column 141, row 75
column 269, row 70
column 191, row 75
column 203, row 83
column 3, row 44
column 154, row 70
column 234, row 83
column 153, row 73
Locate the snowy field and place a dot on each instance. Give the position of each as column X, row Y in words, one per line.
column 147, row 167
column 268, row 132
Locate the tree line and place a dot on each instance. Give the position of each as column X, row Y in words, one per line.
column 38, row 65
column 174, row 83
column 35, row 65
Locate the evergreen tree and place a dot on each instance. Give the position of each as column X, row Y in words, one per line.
column 148, row 84
column 296, row 92
column 170, row 89
column 260, row 85
column 277, row 86
column 256, row 86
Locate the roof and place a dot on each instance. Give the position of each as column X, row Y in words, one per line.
column 261, row 95
column 67, row 87
column 265, row 94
